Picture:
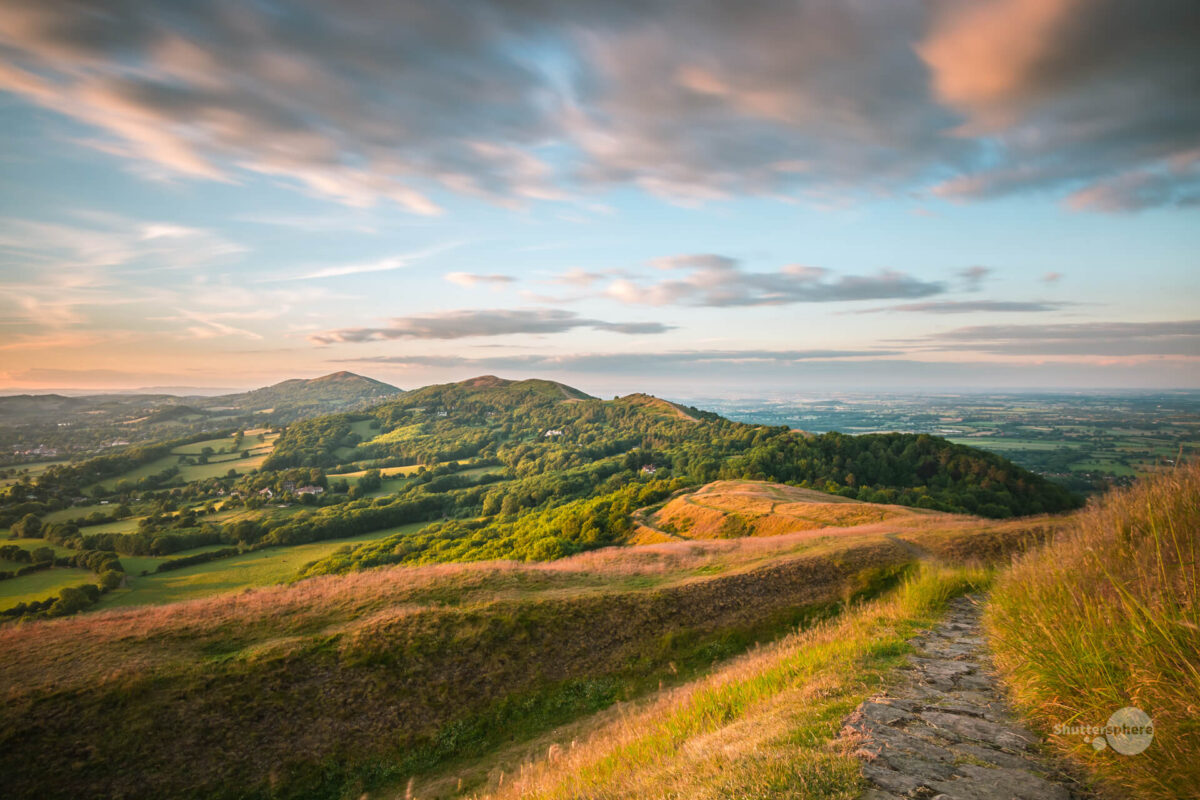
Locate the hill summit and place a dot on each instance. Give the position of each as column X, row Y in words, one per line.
column 336, row 391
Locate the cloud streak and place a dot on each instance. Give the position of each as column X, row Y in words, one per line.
column 720, row 281
column 630, row 362
column 471, row 279
column 482, row 323
column 388, row 264
column 971, row 307
column 1116, row 339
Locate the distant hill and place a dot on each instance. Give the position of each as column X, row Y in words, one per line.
column 85, row 423
column 490, row 389
column 335, row 392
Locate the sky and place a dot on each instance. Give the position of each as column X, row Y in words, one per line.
column 693, row 198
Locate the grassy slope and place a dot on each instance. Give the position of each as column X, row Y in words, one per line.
column 760, row 727
column 753, row 508
column 337, row 683
column 1107, row 617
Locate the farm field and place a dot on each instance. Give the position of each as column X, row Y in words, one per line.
column 255, row 568
column 31, row 471
column 219, row 463
column 40, row 585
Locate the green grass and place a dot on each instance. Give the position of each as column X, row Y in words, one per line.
column 363, row 429
column 75, row 512
column 135, row 564
column 30, row 471
column 402, row 433
column 257, row 568
column 193, row 449
column 1108, row 616
column 219, row 464
column 1100, row 465
column 33, row 544
column 384, row 471
column 40, row 585
column 1005, row 443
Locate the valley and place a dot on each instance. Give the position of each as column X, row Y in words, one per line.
column 1084, row 441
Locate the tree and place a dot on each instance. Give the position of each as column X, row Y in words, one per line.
column 370, row 482
column 509, row 505
column 28, row 527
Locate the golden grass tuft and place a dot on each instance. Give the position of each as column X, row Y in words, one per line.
column 1108, row 616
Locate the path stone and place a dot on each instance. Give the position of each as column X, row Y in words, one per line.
column 945, row 731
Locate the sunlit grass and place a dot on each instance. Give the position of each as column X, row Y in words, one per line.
column 41, row 585
column 764, row 726
column 1107, row 617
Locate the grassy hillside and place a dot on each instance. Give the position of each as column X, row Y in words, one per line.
column 1108, row 617
column 479, row 470
column 292, row 398
column 729, row 509
column 337, row 683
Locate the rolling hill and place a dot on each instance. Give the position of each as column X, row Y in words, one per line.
column 436, row 595
column 91, row 422
column 298, row 397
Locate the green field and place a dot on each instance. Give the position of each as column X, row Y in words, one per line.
column 218, row 445
column 33, row 544
column 1006, row 443
column 1101, row 465
column 260, row 568
column 30, row 470
column 217, row 467
column 386, row 472
column 40, row 585
column 75, row 512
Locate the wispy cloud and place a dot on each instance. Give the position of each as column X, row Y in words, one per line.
column 720, row 281
column 973, row 277
column 388, row 264
column 470, row 279
column 628, row 362
column 480, row 323
column 67, row 272
column 1174, row 338
column 970, row 307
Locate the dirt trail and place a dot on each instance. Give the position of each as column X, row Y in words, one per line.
column 945, row 731
column 642, row 517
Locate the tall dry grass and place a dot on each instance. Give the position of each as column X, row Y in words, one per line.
column 1106, row 617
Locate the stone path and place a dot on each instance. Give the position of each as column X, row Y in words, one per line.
column 945, row 731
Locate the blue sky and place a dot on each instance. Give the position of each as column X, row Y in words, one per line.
column 667, row 197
